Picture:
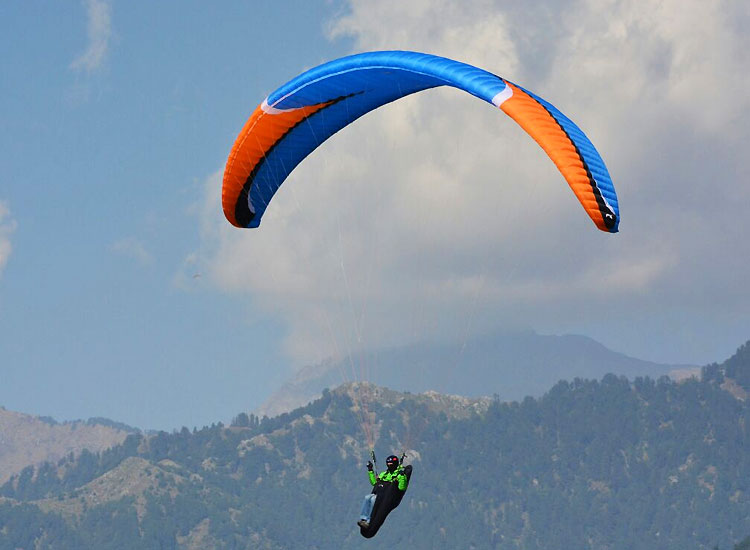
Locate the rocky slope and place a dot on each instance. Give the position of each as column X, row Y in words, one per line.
column 27, row 440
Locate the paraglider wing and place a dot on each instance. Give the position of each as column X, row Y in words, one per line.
column 295, row 119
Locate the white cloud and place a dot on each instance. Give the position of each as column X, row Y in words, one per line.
column 441, row 27
column 437, row 209
column 99, row 29
column 7, row 227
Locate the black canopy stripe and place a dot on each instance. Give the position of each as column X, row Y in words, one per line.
column 242, row 212
column 607, row 214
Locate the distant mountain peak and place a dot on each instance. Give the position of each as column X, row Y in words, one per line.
column 510, row 365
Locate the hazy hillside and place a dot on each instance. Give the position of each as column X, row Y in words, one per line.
column 511, row 365
column 609, row 464
column 27, row 439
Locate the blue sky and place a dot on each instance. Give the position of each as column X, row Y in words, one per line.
column 124, row 293
column 100, row 166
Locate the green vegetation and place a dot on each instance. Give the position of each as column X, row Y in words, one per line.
column 610, row 464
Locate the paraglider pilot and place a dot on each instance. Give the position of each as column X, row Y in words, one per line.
column 388, row 490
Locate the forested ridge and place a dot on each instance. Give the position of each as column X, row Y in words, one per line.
column 607, row 464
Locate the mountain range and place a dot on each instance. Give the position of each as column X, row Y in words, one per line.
column 611, row 463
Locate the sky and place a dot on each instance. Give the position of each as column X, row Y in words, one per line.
column 124, row 292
